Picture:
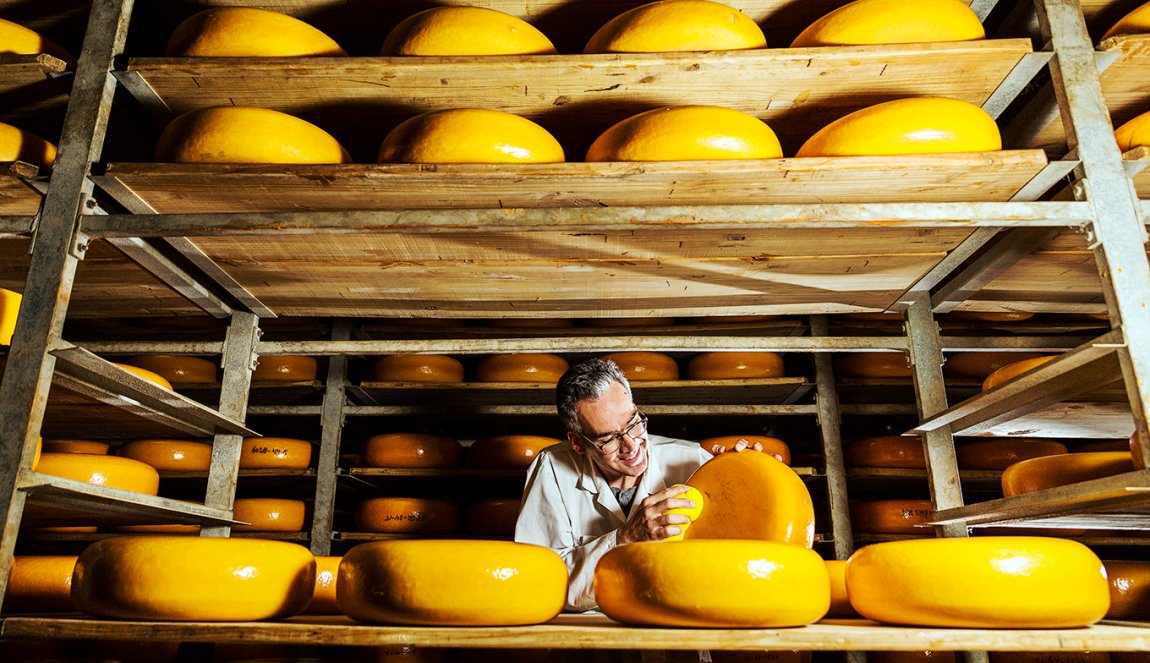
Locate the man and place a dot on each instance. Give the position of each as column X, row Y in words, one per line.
column 610, row 485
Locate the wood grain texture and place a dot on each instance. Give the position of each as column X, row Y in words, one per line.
column 17, row 197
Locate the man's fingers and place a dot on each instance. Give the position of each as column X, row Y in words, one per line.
column 680, row 503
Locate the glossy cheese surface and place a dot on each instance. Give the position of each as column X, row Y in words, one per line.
column 412, row 450
column 507, row 451
column 686, row 133
column 270, row 514
column 978, row 365
column 772, row 446
column 872, row 365
column 999, row 454
column 248, row 32
column 177, row 368
column 677, row 25
column 9, row 308
column 1060, row 470
column 891, row 516
column 417, row 368
column 465, row 31
column 323, row 601
column 40, row 583
column 712, row 584
column 537, row 367
column 245, row 134
column 146, row 375
column 407, row 515
column 469, row 135
column 1013, row 370
column 100, row 470
column 451, row 583
column 983, row 582
column 193, row 578
column 734, row 365
column 77, row 447
column 1129, row 589
column 840, row 603
column 893, row 22
column 170, row 455
column 283, row 453
column 285, row 368
column 645, row 366
column 885, row 451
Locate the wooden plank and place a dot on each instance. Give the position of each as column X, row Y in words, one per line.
column 796, row 91
column 1081, row 420
column 968, row 177
column 17, row 195
column 586, row 631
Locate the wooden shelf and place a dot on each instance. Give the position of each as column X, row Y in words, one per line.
column 243, row 473
column 1136, row 161
column 593, row 632
column 34, row 87
column 262, row 392
column 885, row 476
column 19, row 195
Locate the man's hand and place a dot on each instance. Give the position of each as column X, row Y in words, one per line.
column 649, row 520
column 739, row 446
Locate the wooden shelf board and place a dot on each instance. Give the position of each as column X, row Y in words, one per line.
column 593, row 632
column 262, row 392
column 248, row 473
column 1137, row 163
column 34, row 88
column 1073, row 420
column 384, row 329
column 18, row 196
column 969, row 478
column 273, row 536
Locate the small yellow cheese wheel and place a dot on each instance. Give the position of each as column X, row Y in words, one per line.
column 170, row 455
column 407, row 515
column 677, row 25
column 412, row 450
column 734, row 365
column 526, row 367
column 919, row 125
column 285, row 368
column 19, row 145
column 465, row 31
column 107, row 471
column 886, row 451
column 243, row 134
column 891, row 516
column 1129, row 589
column 686, row 133
column 417, row 368
column 323, row 601
column 840, row 604
column 978, row 365
column 25, row 41
column 1060, row 470
column 146, row 375
column 771, row 445
column 248, row 32
column 493, row 517
column 691, row 512
column 893, row 22
column 712, row 584
column 469, row 135
column 984, row 582
column 40, row 584
column 77, row 447
column 999, row 454
column 177, row 368
column 507, row 451
column 281, row 453
column 451, row 583
column 645, row 366
column 270, row 514
column 872, row 365
column 180, row 578
column 1013, row 370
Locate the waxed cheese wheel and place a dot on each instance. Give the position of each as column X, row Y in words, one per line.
column 270, row 514
column 280, row 453
column 407, row 515
column 177, row 368
column 891, row 516
column 886, row 451
column 323, row 600
column 872, row 365
column 735, row 365
column 978, row 365
column 145, row 374
column 1064, row 469
column 174, row 578
column 40, row 583
column 712, row 584
column 840, row 603
column 527, row 367
column 1129, row 589
column 507, row 451
column 287, row 368
column 999, row 454
column 1011, row 371
column 417, row 368
column 451, row 583
column 100, row 470
column 412, row 450
column 771, row 445
column 77, row 447
column 170, row 455
column 645, row 366
column 983, row 582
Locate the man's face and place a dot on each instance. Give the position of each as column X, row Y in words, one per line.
column 612, row 413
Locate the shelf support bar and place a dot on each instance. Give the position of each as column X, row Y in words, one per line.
column 830, row 422
column 331, row 425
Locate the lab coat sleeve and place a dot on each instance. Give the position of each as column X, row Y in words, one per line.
column 545, row 519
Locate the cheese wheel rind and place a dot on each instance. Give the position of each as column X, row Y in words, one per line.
column 1059, row 470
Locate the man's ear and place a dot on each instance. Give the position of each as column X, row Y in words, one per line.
column 577, row 443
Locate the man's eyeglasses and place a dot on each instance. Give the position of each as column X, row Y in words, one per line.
column 610, row 443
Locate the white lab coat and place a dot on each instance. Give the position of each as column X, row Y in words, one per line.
column 569, row 508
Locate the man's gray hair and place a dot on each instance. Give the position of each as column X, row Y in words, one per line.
column 587, row 380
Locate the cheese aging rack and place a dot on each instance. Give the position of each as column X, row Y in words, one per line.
column 1054, row 224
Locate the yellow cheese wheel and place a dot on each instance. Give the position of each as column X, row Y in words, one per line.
column 928, row 656
column 407, row 515
column 526, row 367
column 285, row 368
column 465, row 31
column 677, row 25
column 1063, row 469
column 988, row 316
column 170, row 455
column 686, row 133
column 243, row 134
column 983, row 582
column 885, row 451
column 77, row 447
column 323, row 601
column 146, row 375
column 891, row 516
column 19, row 145
column 734, row 365
column 269, row 514
column 248, row 32
column 1134, row 23
column 281, row 453
column 893, row 22
column 691, row 512
column 412, row 450
column 469, row 135
column 9, row 309
column 919, row 125
column 999, row 454
column 20, row 40
column 712, row 584
column 1129, row 589
column 493, row 517
column 1049, row 657
column 1135, row 133
column 1136, row 452
column 771, row 445
column 1011, row 371
column 158, row 529
column 40, row 584
column 417, row 368
column 178, row 368
column 978, row 365
column 840, row 604
column 751, row 495
column 107, row 471
column 645, row 366
column 872, row 365
column 178, row 578
column 507, row 451
column 451, row 583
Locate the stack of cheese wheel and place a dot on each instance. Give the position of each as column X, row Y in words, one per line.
column 323, row 600
column 872, row 365
column 412, row 450
column 1129, row 589
column 67, row 446
column 170, row 455
column 451, row 583
column 764, row 584
column 9, row 309
column 537, row 367
column 734, row 365
column 677, row 25
column 407, row 515
column 1063, row 469
column 465, row 31
column 145, row 374
column 840, row 603
column 102, row 470
column 893, row 22
column 493, row 517
column 507, row 451
column 279, row 453
column 645, row 366
column 1010, row 371
column 891, row 516
column 985, row 582
column 167, row 578
column 40, row 584
column 209, row 135
column 999, row 454
column 178, row 368
column 270, row 514
column 1135, row 23
column 248, row 32
column 469, row 135
column 417, row 368
column 978, row 365
column 886, row 451
column 771, row 445
column 285, row 368
column 686, row 133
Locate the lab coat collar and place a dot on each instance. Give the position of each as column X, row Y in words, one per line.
column 592, row 481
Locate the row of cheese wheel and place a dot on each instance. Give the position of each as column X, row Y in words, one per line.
column 1043, row 582
column 893, row 451
column 964, row 365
